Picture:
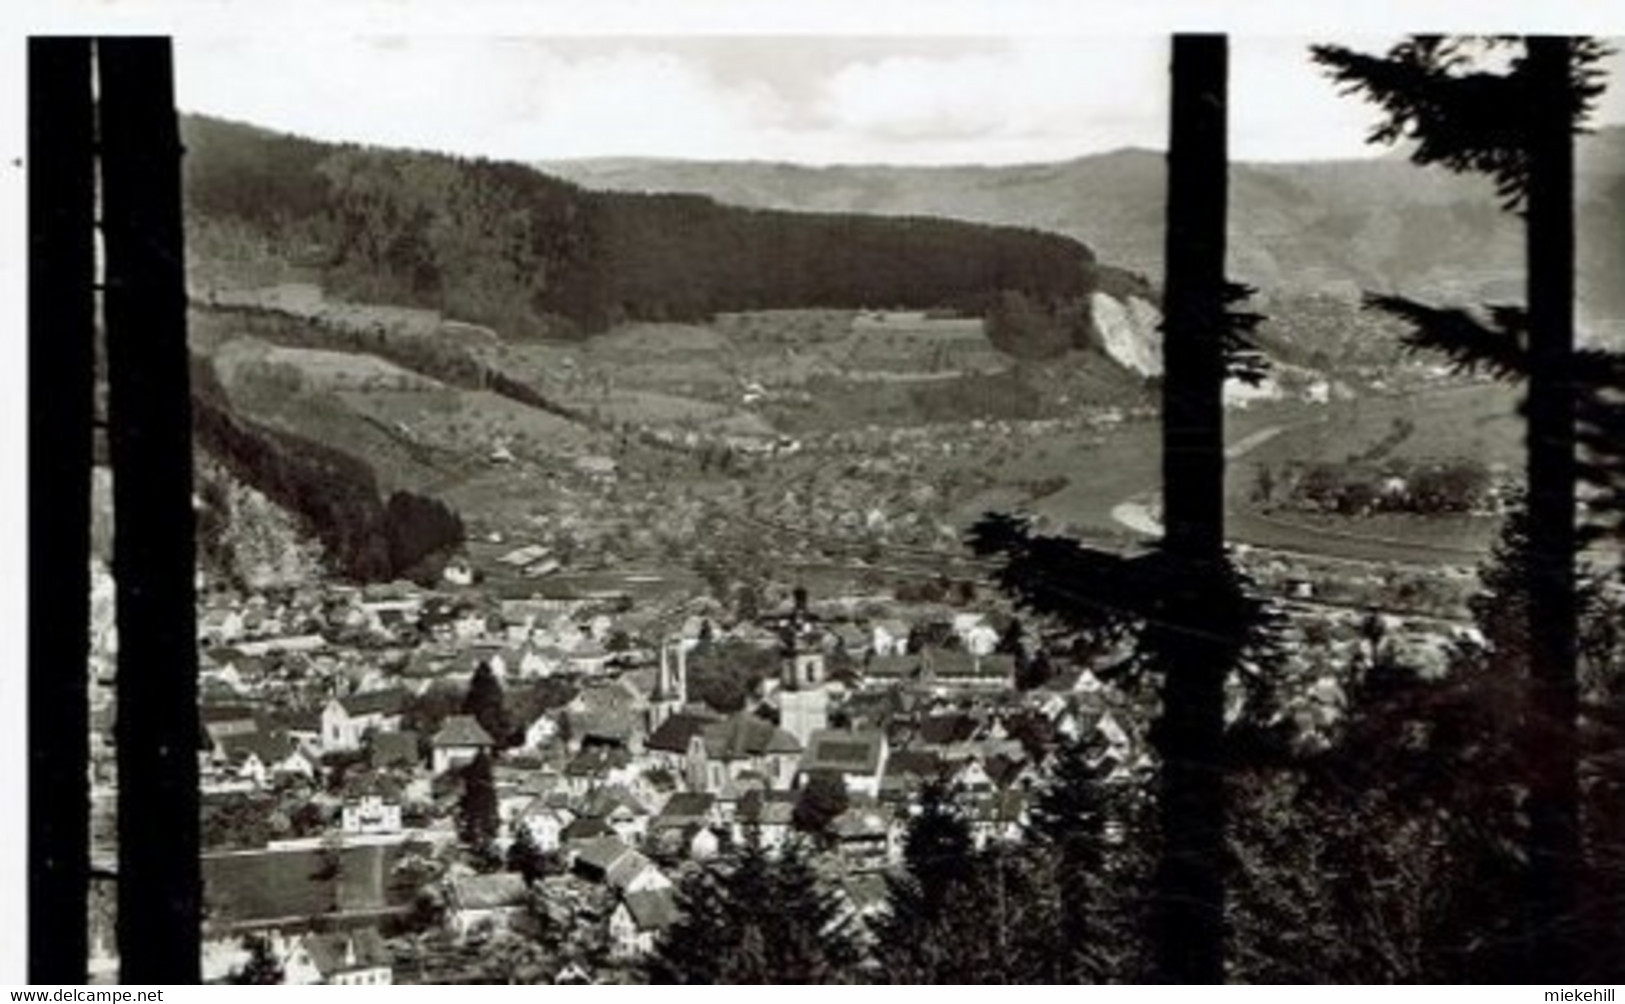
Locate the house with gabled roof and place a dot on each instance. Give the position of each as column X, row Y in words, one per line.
column 907, row 770
column 459, row 742
column 258, row 757
column 770, row 813
column 478, row 901
column 546, row 818
column 638, row 920
column 371, row 814
column 999, row 816
column 542, row 730
column 686, row 809
column 596, row 767
column 606, row 712
column 668, row 745
column 584, row 830
column 625, row 814
column 893, row 668
column 867, row 836
column 229, row 719
column 725, row 752
column 857, row 757
column 593, row 859
column 355, row 958
column 1009, row 771
column 888, row 637
column 303, row 727
column 960, row 669
column 345, row 720
column 945, row 730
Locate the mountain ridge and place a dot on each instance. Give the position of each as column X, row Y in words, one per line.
column 1327, row 226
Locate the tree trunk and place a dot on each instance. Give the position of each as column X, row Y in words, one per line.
column 1189, row 915
column 1554, row 842
column 154, row 551
column 61, row 322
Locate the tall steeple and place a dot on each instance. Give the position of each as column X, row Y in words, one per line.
column 671, row 685
column 803, row 697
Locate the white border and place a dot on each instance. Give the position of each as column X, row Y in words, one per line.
column 597, row 17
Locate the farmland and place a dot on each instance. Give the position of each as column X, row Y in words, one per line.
column 844, row 435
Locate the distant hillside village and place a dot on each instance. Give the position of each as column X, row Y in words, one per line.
column 394, row 777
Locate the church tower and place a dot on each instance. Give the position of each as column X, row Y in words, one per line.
column 671, row 685
column 803, row 694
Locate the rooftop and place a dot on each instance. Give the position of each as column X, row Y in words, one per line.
column 462, row 731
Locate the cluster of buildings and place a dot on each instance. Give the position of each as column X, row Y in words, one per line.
column 348, row 764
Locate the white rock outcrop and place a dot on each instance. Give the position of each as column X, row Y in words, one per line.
column 1128, row 332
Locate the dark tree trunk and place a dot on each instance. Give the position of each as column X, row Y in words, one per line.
column 61, row 378
column 1554, row 842
column 154, row 551
column 1189, row 917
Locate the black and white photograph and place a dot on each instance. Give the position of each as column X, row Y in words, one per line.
column 1005, row 501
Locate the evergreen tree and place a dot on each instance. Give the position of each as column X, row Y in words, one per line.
column 1196, row 643
column 958, row 916
column 1070, row 819
column 486, row 702
column 936, row 928
column 478, row 821
column 821, row 800
column 263, row 968
column 416, row 527
column 750, row 918
column 524, row 856
column 938, row 844
column 1517, row 127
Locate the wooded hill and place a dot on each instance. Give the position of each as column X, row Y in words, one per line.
column 1377, row 223
column 506, row 245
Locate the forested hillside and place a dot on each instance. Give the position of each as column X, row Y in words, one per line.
column 1297, row 228
column 505, row 245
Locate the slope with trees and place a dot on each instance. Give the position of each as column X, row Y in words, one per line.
column 506, row 245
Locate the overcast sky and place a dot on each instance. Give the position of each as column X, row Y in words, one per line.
column 805, row 99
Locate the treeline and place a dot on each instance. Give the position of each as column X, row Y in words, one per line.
column 443, row 359
column 504, row 245
column 1461, row 485
column 1063, row 906
column 682, row 257
column 336, row 495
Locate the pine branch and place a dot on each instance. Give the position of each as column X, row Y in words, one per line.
column 1097, row 592
column 1244, row 359
column 1471, row 345
column 1435, row 94
column 1496, row 347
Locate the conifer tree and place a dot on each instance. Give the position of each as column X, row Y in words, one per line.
column 1517, row 127
column 477, row 817
column 486, row 702
column 751, row 918
column 263, row 968
column 524, row 856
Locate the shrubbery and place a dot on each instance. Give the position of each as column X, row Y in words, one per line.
column 1458, row 486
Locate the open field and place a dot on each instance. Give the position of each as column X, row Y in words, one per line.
column 473, row 422
column 979, row 433
column 1103, row 471
column 1477, row 420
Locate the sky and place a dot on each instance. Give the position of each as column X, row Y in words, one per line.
column 806, row 99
